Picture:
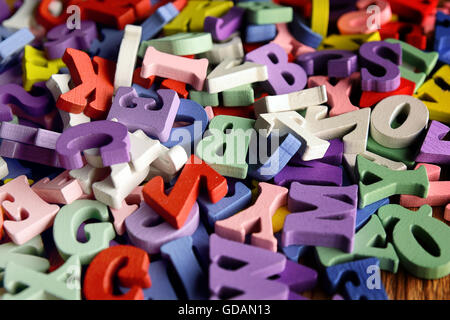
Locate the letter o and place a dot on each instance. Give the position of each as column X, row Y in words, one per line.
column 387, row 110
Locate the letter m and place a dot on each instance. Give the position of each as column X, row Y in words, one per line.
column 322, row 216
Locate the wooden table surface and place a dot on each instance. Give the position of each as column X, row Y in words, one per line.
column 402, row 285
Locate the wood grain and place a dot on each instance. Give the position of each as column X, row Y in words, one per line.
column 400, row 285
